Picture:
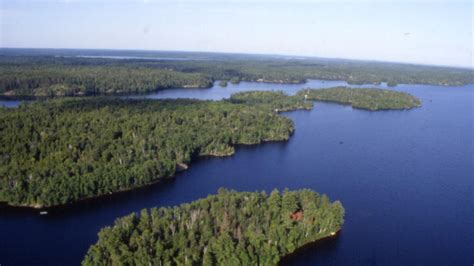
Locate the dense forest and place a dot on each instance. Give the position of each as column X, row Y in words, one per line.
column 230, row 228
column 274, row 100
column 298, row 71
column 61, row 80
column 367, row 98
column 38, row 73
column 62, row 150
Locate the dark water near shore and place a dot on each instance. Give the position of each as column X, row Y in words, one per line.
column 406, row 179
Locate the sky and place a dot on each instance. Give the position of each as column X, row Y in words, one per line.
column 412, row 31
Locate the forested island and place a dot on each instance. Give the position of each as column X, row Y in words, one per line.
column 63, row 150
column 25, row 72
column 277, row 101
column 363, row 98
column 230, row 228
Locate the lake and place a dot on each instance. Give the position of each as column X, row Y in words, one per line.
column 405, row 178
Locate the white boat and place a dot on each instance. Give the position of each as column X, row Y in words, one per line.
column 43, row 212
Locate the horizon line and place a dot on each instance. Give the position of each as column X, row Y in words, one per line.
column 254, row 54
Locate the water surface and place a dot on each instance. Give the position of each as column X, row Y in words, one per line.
column 219, row 93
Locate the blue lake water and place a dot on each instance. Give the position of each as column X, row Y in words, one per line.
column 9, row 103
column 218, row 93
column 406, row 179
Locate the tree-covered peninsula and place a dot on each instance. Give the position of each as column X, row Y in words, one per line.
column 230, row 228
column 367, row 98
column 63, row 150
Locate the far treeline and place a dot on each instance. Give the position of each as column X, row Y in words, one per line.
column 24, row 74
column 63, row 150
column 79, row 80
column 230, row 228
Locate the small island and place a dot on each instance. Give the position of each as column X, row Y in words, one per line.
column 367, row 98
column 223, row 83
column 230, row 228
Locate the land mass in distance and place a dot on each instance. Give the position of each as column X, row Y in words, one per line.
column 58, row 73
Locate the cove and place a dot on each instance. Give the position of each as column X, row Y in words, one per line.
column 404, row 177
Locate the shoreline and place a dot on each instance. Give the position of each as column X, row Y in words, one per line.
column 308, row 246
column 183, row 166
column 10, row 96
column 38, row 207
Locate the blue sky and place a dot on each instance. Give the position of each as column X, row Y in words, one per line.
column 419, row 31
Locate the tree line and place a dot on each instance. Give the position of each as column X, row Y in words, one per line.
column 53, row 80
column 26, row 75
